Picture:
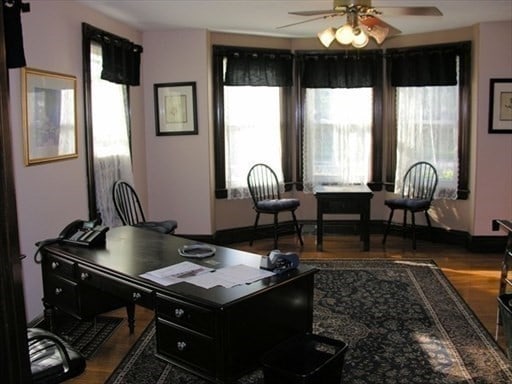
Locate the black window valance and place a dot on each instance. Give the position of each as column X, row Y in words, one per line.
column 344, row 70
column 258, row 68
column 432, row 66
column 121, row 60
column 121, row 57
column 14, row 51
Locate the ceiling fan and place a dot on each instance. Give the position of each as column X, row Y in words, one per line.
column 362, row 21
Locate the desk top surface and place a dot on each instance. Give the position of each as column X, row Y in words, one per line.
column 343, row 189
column 130, row 252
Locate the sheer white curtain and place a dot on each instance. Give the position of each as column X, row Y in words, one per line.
column 337, row 136
column 112, row 158
column 427, row 130
column 252, row 134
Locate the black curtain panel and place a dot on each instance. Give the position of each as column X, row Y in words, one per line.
column 121, row 60
column 344, row 70
column 423, row 67
column 258, row 68
column 15, row 54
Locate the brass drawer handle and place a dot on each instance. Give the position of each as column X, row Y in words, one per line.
column 55, row 265
column 84, row 276
column 181, row 345
column 136, row 296
column 178, row 312
column 58, row 291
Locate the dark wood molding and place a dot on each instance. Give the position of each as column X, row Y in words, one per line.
column 15, row 363
column 481, row 244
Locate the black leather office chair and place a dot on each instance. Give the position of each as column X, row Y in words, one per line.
column 264, row 189
column 130, row 211
column 419, row 185
column 52, row 360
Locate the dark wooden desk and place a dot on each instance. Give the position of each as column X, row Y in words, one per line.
column 505, row 280
column 218, row 334
column 346, row 199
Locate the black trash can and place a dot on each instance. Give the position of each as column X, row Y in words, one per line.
column 505, row 304
column 305, row 359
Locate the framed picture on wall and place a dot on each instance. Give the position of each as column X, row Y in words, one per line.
column 175, row 109
column 49, row 116
column 500, row 106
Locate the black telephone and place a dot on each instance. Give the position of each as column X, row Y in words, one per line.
column 85, row 233
column 78, row 232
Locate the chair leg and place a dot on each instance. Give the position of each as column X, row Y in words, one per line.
column 429, row 226
column 386, row 230
column 255, row 226
column 297, row 228
column 276, row 227
column 413, row 231
column 405, row 223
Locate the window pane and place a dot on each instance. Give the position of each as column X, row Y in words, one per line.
column 112, row 157
column 427, row 123
column 252, row 133
column 337, row 136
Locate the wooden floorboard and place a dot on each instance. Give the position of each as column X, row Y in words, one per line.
column 474, row 275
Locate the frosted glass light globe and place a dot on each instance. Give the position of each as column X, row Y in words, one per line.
column 344, row 35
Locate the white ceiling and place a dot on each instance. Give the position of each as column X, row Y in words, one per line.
column 262, row 17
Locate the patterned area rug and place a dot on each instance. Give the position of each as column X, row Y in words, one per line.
column 85, row 336
column 403, row 320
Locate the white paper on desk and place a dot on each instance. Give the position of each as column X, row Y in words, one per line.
column 176, row 273
column 228, row 277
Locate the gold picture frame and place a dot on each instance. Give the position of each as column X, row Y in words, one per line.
column 175, row 109
column 49, row 116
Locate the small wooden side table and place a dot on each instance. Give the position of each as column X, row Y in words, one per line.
column 345, row 199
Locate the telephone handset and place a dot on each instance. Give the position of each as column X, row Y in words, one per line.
column 85, row 233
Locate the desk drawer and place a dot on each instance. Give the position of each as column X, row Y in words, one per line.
column 182, row 345
column 115, row 287
column 61, row 293
column 56, row 265
column 342, row 206
column 185, row 314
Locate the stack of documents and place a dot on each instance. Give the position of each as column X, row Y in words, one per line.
column 206, row 277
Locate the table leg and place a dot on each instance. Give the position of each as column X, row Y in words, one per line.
column 365, row 227
column 319, row 229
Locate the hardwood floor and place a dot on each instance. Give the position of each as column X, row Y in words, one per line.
column 474, row 275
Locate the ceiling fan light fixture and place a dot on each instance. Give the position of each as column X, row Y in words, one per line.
column 345, row 34
column 360, row 38
column 327, row 37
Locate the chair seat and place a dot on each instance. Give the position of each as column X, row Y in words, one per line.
column 48, row 360
column 414, row 205
column 166, row 226
column 277, row 205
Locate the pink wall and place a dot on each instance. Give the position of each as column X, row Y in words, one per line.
column 492, row 184
column 178, row 167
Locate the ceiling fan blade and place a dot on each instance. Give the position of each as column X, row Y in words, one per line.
column 308, row 20
column 371, row 21
column 315, row 13
column 410, row 11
